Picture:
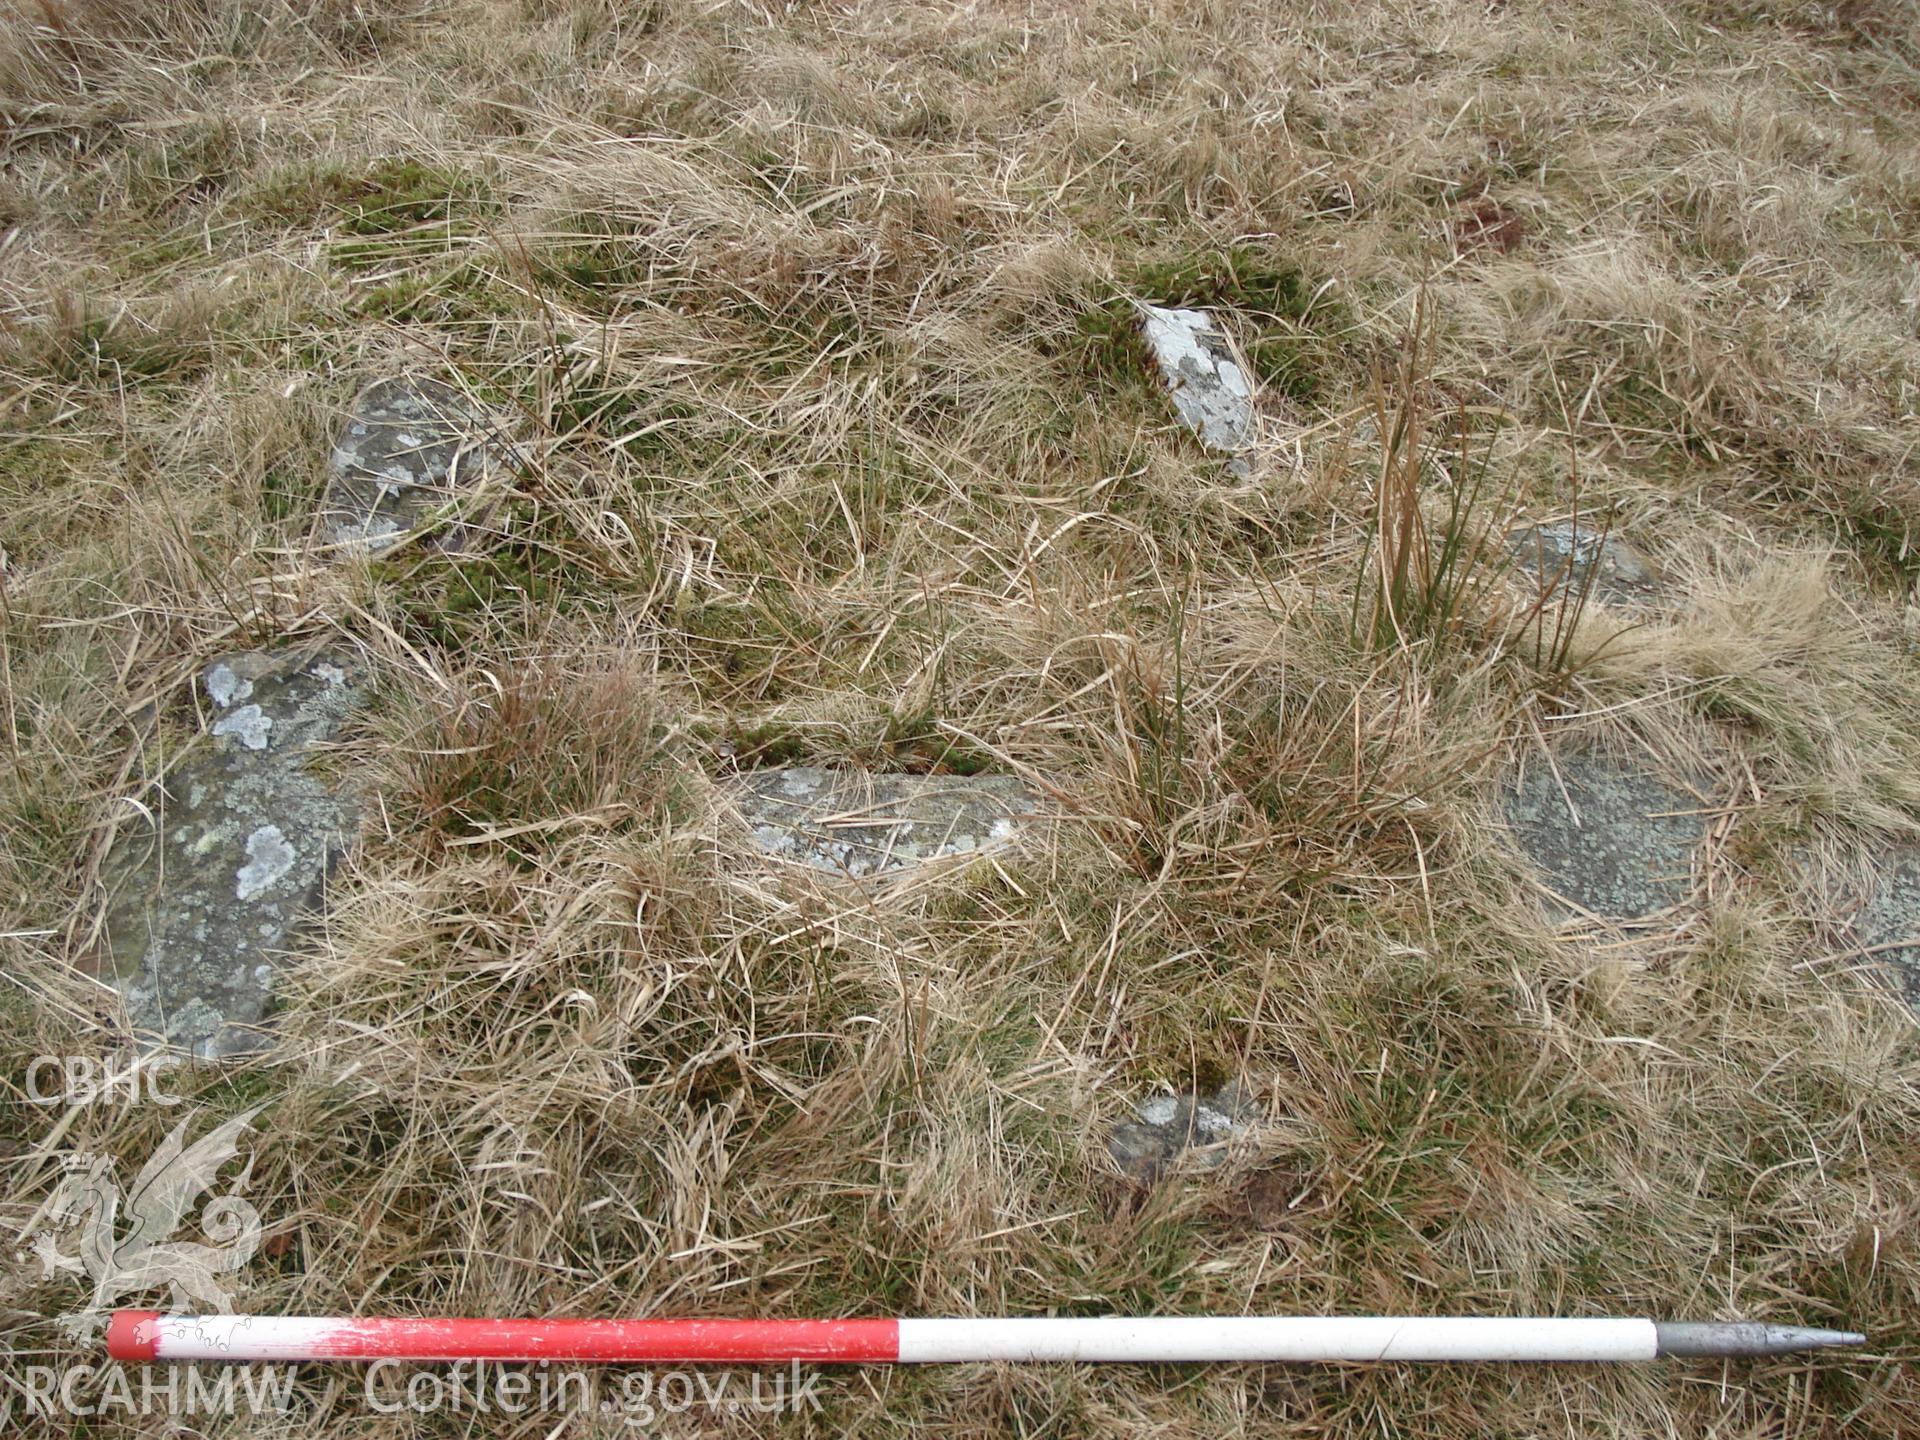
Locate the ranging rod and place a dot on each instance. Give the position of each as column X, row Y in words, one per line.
column 150, row 1335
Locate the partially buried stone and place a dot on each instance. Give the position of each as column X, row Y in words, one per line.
column 409, row 446
column 202, row 905
column 1566, row 559
column 1615, row 841
column 1167, row 1127
column 1886, row 926
column 1209, row 388
column 856, row 823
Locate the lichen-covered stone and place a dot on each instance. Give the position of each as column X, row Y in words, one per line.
column 855, row 823
column 1210, row 390
column 202, row 905
column 1623, row 851
column 1166, row 1128
column 1566, row 559
column 408, row 447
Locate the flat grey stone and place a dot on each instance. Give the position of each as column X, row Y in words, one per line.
column 1166, row 1128
column 409, row 446
column 1889, row 916
column 1626, row 853
column 201, row 906
column 855, row 823
column 1210, row 390
column 1562, row 558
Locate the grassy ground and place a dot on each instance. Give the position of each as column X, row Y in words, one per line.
column 812, row 317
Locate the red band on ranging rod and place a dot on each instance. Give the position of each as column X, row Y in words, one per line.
column 134, row 1335
column 143, row 1335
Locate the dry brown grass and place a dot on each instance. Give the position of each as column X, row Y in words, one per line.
column 802, row 313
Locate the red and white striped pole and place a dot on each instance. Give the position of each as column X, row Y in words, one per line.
column 149, row 1335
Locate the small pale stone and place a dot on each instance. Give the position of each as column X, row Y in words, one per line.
column 1565, row 558
column 1880, row 919
column 1208, row 387
column 855, row 823
column 1166, row 1128
column 1892, row 917
column 410, row 446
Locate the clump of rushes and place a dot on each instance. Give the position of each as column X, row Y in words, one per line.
column 1433, row 575
column 1547, row 628
column 1419, row 577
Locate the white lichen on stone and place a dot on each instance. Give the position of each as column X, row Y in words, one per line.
column 269, row 857
column 249, row 724
column 774, row 840
column 1160, row 1110
column 224, row 686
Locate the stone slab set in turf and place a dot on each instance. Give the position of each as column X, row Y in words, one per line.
column 203, row 904
column 1210, row 389
column 1567, row 558
column 852, row 822
column 1166, row 1128
column 1613, row 840
column 1886, row 926
column 409, row 446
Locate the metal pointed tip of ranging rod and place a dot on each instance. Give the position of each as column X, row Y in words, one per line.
column 1746, row 1337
